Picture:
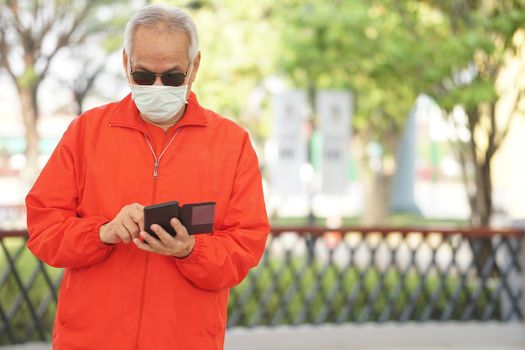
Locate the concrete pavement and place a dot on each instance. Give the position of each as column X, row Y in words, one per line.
column 390, row 336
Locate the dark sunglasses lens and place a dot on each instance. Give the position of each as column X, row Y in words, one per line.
column 143, row 78
column 173, row 79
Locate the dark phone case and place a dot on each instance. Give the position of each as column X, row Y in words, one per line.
column 198, row 217
column 161, row 214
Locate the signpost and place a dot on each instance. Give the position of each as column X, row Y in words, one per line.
column 334, row 109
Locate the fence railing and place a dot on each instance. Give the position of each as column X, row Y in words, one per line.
column 317, row 275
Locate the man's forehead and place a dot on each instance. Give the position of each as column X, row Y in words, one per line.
column 154, row 48
column 160, row 32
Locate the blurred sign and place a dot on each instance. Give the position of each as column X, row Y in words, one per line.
column 334, row 109
column 289, row 141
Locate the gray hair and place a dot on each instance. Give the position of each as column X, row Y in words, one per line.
column 173, row 18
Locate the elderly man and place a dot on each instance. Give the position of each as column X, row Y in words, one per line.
column 123, row 288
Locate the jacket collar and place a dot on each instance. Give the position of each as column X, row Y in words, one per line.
column 127, row 115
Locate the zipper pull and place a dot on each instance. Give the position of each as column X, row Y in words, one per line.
column 156, row 169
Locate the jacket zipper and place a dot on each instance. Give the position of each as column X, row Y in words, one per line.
column 153, row 195
column 157, row 159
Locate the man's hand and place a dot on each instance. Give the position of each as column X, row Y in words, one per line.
column 179, row 246
column 125, row 226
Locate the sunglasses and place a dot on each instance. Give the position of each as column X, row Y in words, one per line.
column 168, row 79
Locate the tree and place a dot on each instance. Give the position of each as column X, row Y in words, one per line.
column 31, row 35
column 483, row 38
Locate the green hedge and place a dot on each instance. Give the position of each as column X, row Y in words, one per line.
column 330, row 294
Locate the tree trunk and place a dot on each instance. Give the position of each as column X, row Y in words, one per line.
column 480, row 198
column 484, row 194
column 29, row 107
column 480, row 195
column 79, row 101
column 481, row 214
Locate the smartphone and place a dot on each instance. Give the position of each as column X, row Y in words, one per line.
column 198, row 217
column 161, row 214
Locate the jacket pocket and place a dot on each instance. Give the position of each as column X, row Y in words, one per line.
column 217, row 325
column 68, row 294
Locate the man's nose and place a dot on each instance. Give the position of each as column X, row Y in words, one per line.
column 158, row 81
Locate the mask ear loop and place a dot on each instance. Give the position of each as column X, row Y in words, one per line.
column 188, row 73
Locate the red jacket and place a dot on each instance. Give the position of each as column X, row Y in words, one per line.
column 120, row 297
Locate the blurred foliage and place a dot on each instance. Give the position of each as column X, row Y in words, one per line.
column 485, row 41
column 377, row 49
column 238, row 47
column 479, row 39
column 386, row 52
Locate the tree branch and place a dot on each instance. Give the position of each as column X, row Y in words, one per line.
column 4, row 50
column 91, row 79
column 65, row 38
column 491, row 147
column 499, row 139
column 57, row 17
column 13, row 6
column 473, row 122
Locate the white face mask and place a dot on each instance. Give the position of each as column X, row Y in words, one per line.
column 159, row 103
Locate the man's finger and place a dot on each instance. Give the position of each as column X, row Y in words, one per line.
column 131, row 226
column 153, row 242
column 137, row 215
column 182, row 232
column 141, row 223
column 138, row 206
column 143, row 246
column 123, row 233
column 164, row 237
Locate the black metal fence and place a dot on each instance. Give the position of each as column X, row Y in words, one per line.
column 315, row 276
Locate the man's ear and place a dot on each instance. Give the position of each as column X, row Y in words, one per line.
column 125, row 62
column 195, row 67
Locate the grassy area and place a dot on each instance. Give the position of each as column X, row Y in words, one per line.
column 395, row 220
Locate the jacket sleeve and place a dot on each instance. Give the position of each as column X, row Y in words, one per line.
column 223, row 259
column 57, row 235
